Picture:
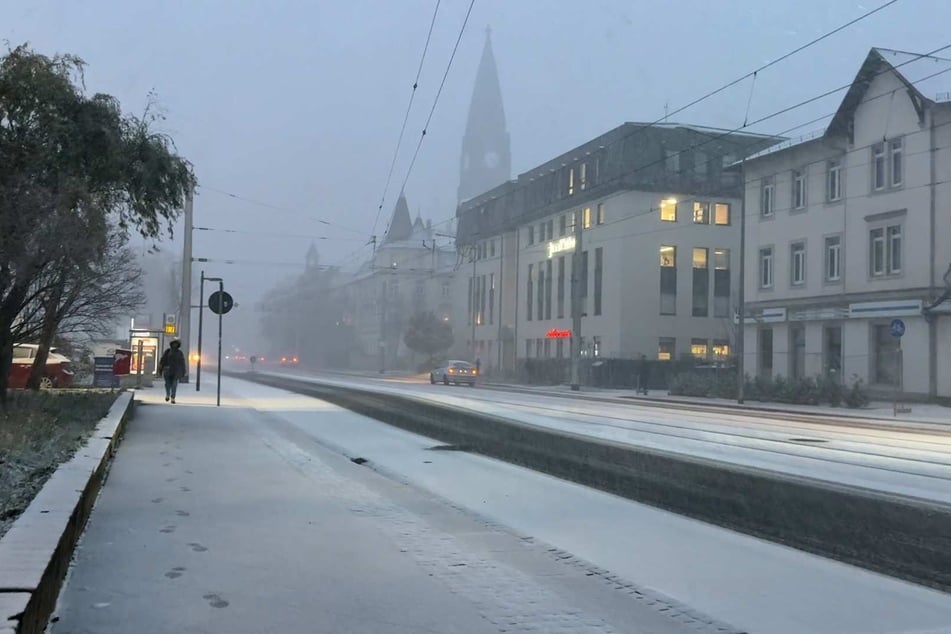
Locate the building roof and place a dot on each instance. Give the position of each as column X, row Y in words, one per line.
column 400, row 227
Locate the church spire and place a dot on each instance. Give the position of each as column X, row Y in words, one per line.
column 486, row 157
column 401, row 227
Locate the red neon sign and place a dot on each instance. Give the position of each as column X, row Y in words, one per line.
column 554, row 333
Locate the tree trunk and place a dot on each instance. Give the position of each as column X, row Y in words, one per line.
column 6, row 361
column 50, row 322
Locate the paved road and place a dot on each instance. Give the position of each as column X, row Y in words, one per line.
column 224, row 520
column 911, row 460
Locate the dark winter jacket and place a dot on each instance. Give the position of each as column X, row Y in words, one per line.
column 172, row 363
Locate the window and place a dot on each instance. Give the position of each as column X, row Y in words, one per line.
column 666, row 347
column 878, row 166
column 584, row 176
column 897, row 168
column 797, row 349
column 596, row 346
column 700, row 163
column 600, row 213
column 668, row 280
column 766, row 267
column 583, row 282
column 22, row 352
column 721, row 213
column 492, row 249
column 721, row 282
column 668, row 210
column 598, row 271
column 547, row 348
column 798, row 189
column 767, row 198
column 894, row 249
column 833, row 258
column 672, row 161
column 446, row 289
column 561, row 286
column 885, row 355
column 562, row 225
column 834, row 181
column 528, row 295
column 531, row 234
column 765, row 352
column 797, row 264
column 541, row 232
column 701, row 213
column 885, row 250
column 701, row 283
column 832, row 351
column 491, row 298
column 482, row 293
column 540, row 312
column 698, row 348
column 559, row 348
column 548, row 281
column 571, row 181
column 539, row 347
column 587, row 218
column 572, row 219
column 528, row 348
column 721, row 349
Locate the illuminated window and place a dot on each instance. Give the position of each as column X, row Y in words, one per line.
column 701, row 213
column 721, row 213
column 668, row 210
column 721, row 349
column 668, row 280
column 571, row 181
column 698, row 348
column 666, row 348
column 699, row 258
column 587, row 217
column 668, row 256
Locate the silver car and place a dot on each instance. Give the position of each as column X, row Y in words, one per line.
column 457, row 372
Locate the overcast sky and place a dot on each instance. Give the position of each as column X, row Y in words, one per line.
column 297, row 104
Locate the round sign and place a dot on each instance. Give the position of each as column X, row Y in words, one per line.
column 253, row 359
column 897, row 328
column 220, row 302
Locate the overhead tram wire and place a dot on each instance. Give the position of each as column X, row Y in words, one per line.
column 273, row 234
column 409, row 107
column 442, row 83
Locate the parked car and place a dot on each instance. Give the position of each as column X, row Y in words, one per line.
column 58, row 372
column 455, row 372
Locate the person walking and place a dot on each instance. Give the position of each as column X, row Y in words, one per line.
column 172, row 368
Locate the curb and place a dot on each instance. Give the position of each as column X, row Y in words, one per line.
column 35, row 553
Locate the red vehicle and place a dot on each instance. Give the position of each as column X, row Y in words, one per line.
column 58, row 372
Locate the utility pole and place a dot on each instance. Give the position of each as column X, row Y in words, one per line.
column 576, row 307
column 741, row 295
column 383, row 327
column 201, row 318
column 476, row 294
column 185, row 312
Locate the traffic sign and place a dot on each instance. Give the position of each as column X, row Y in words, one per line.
column 220, row 302
column 171, row 327
column 897, row 328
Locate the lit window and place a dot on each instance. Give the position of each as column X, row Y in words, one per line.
column 701, row 213
column 834, row 181
column 699, row 258
column 668, row 210
column 878, row 166
column 665, row 348
column 799, row 189
column 766, row 267
column 721, row 349
column 668, row 256
column 571, row 181
column 721, row 213
column 698, row 348
column 798, row 263
column 587, row 217
column 897, row 168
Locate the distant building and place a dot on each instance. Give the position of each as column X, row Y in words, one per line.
column 660, row 249
column 409, row 272
column 486, row 159
column 848, row 232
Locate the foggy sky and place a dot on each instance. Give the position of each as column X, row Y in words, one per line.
column 297, row 104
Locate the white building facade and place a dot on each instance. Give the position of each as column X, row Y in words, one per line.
column 849, row 237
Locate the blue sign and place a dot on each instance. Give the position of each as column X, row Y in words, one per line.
column 103, row 375
column 897, row 328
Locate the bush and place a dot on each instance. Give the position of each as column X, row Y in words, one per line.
column 857, row 396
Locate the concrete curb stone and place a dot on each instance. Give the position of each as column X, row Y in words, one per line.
column 36, row 551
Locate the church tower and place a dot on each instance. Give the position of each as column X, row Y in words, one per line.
column 486, row 159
